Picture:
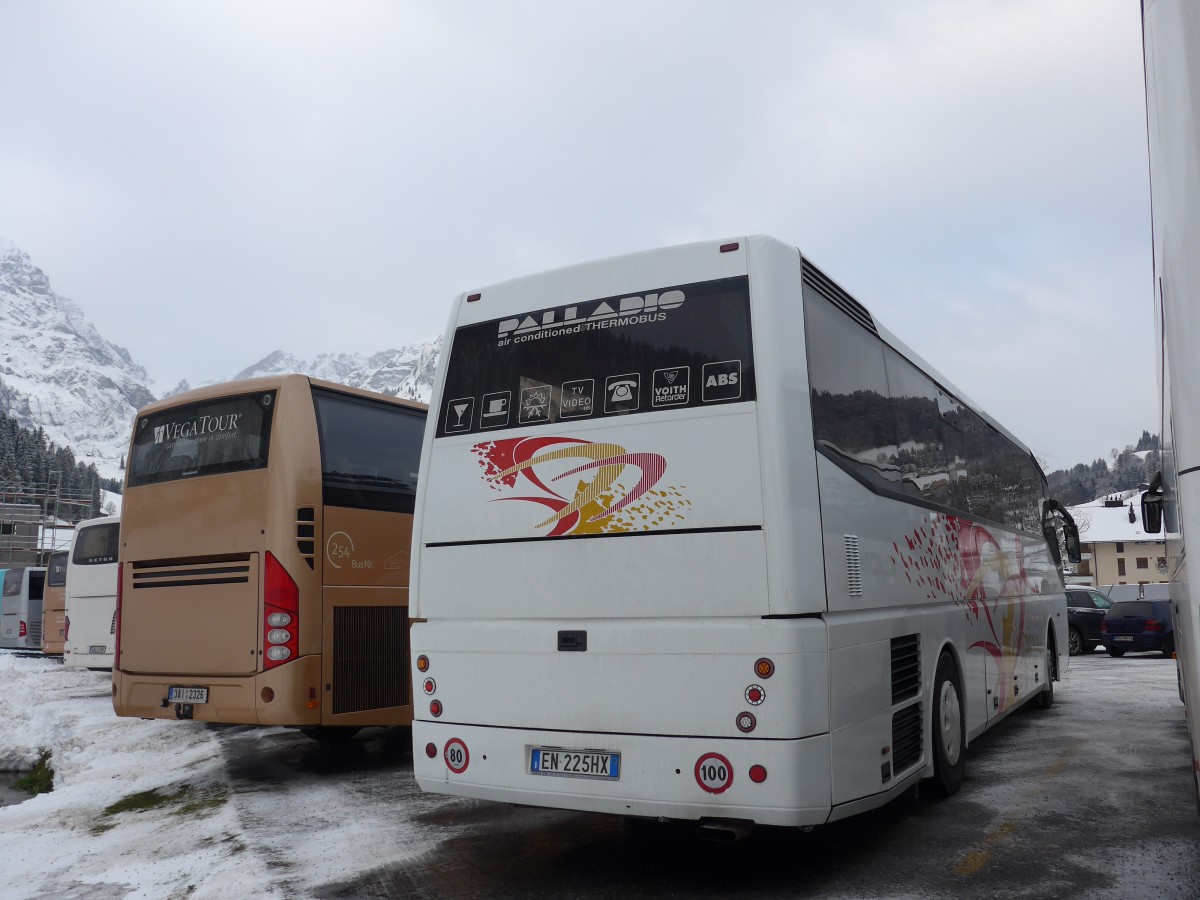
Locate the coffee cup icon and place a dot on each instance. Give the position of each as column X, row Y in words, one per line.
column 496, row 407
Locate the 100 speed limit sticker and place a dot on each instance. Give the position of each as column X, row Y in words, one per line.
column 714, row 773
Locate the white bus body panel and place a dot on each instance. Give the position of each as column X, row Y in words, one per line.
column 22, row 608
column 1171, row 34
column 91, row 606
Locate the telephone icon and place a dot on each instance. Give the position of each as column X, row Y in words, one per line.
column 621, row 393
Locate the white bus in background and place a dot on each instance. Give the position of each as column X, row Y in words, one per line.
column 1171, row 35
column 21, row 590
column 698, row 538
column 91, row 627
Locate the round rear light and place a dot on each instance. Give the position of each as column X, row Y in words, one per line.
column 279, row 636
column 764, row 668
column 422, row 663
column 755, row 694
column 746, row 722
column 431, row 750
column 758, row 774
column 429, row 685
column 277, row 654
column 279, row 619
column 435, row 708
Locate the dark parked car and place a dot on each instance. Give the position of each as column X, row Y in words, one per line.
column 1133, row 626
column 1085, row 612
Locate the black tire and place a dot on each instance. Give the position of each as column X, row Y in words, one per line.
column 1168, row 648
column 1112, row 651
column 330, row 734
column 1075, row 642
column 948, row 733
column 1045, row 697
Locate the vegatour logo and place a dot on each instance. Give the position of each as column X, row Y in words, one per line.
column 202, row 425
column 613, row 491
column 634, row 310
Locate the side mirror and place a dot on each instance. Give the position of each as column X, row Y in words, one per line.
column 1152, row 506
column 1152, row 512
column 1071, row 537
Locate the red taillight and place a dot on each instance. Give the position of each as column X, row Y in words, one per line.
column 1154, row 625
column 1103, row 627
column 116, row 619
column 281, row 616
column 24, row 629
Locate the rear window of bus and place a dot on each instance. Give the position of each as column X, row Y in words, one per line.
column 211, row 437
column 670, row 347
column 97, row 545
column 12, row 582
column 56, row 569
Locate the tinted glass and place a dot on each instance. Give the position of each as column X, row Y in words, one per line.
column 97, row 545
column 12, row 582
column 852, row 418
column 670, row 347
column 921, row 446
column 369, row 451
column 1100, row 601
column 1079, row 599
column 56, row 569
column 883, row 420
column 212, row 437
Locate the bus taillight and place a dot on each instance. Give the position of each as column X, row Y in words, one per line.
column 24, row 632
column 281, row 614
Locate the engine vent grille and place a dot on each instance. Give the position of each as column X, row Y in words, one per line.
column 112, row 629
column 306, row 534
column 854, row 583
column 906, row 667
column 831, row 291
column 166, row 573
column 35, row 634
column 370, row 657
column 906, row 737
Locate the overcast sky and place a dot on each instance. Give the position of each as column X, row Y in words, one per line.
column 211, row 181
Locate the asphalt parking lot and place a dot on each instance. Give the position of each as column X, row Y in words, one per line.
column 1091, row 798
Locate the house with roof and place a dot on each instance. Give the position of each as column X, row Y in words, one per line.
column 1115, row 549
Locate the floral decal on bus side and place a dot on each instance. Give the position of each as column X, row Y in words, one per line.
column 959, row 560
column 614, row 490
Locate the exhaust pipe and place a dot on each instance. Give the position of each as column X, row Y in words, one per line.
column 724, row 831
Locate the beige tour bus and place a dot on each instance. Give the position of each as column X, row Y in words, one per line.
column 54, row 604
column 264, row 557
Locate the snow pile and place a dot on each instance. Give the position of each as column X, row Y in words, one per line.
column 181, row 839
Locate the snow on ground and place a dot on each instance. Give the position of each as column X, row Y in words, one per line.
column 65, row 843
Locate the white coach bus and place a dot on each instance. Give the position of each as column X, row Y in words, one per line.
column 697, row 538
column 1171, row 34
column 91, row 615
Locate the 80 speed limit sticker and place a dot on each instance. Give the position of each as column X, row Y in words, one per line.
column 714, row 773
column 456, row 756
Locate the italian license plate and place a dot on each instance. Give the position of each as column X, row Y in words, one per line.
column 1122, row 637
column 97, row 648
column 187, row 695
column 600, row 764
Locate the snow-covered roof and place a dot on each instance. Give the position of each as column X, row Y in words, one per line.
column 1099, row 523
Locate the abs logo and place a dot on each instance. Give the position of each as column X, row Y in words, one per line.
column 722, row 381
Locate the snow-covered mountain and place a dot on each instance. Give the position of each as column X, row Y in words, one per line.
column 57, row 372
column 406, row 373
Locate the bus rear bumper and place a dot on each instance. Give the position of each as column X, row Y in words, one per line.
column 770, row 782
column 231, row 700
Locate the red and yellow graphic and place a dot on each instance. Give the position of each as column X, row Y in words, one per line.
column 959, row 560
column 611, row 501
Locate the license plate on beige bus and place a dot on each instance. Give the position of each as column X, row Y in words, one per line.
column 602, row 764
column 187, row 695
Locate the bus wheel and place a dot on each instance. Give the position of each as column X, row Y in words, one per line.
column 329, row 733
column 949, row 729
column 1045, row 698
